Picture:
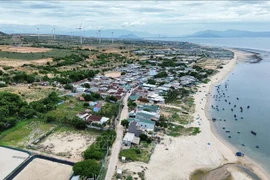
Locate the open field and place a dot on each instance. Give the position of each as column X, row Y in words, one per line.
column 38, row 55
column 45, row 170
column 24, row 49
column 69, row 109
column 30, row 94
column 18, row 63
column 9, row 160
column 69, row 144
column 113, row 74
column 24, row 133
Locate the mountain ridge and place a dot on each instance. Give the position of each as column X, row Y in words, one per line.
column 229, row 33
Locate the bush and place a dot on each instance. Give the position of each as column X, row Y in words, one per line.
column 125, row 123
column 87, row 168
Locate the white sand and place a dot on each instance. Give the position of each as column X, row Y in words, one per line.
column 186, row 154
column 68, row 143
column 9, row 160
column 45, row 170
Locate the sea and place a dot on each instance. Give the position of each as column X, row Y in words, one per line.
column 247, row 85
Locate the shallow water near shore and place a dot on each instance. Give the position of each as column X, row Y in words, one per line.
column 250, row 83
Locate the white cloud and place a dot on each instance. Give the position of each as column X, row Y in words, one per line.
column 150, row 16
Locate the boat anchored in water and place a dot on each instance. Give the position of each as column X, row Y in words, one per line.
column 253, row 132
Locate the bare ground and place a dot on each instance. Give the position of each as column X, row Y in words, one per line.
column 67, row 144
column 24, row 49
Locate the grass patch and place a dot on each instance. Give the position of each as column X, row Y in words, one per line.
column 69, row 109
column 135, row 154
column 71, row 129
column 39, row 55
column 198, row 174
column 181, row 119
column 139, row 153
column 24, row 132
column 178, row 130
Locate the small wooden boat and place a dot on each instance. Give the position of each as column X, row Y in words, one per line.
column 254, row 133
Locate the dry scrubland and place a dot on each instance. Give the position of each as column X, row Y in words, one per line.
column 33, row 93
column 9, row 160
column 44, row 170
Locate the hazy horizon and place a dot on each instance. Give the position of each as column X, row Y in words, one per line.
column 173, row 18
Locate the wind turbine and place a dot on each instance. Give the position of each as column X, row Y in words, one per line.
column 54, row 33
column 38, row 33
column 80, row 28
column 99, row 34
column 112, row 37
column 71, row 37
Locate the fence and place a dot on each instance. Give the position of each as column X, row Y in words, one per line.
column 103, row 170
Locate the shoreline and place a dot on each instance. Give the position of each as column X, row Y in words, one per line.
column 183, row 155
column 217, row 79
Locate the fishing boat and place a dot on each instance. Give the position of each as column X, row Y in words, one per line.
column 254, row 133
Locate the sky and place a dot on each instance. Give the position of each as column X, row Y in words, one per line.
column 157, row 17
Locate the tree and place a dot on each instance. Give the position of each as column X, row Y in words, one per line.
column 151, row 81
column 87, row 168
column 93, row 152
column 125, row 123
column 143, row 137
column 161, row 74
column 111, row 98
column 78, row 123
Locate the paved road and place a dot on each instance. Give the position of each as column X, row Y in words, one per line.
column 118, row 142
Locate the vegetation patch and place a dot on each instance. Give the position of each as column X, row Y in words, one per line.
column 141, row 152
column 24, row 133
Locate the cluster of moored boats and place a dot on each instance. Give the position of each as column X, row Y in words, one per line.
column 221, row 95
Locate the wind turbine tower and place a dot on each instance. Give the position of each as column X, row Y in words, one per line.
column 99, row 32
column 112, row 37
column 38, row 33
column 80, row 28
column 54, row 33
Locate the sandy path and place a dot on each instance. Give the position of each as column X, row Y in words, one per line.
column 186, row 154
column 118, row 142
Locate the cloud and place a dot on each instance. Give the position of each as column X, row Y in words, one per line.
column 152, row 16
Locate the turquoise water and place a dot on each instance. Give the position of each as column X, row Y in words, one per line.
column 250, row 82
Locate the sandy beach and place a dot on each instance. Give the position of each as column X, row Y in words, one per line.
column 203, row 151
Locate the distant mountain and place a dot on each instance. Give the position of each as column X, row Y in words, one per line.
column 129, row 36
column 2, row 34
column 229, row 33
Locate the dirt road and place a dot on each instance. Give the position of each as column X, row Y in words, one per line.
column 118, row 142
